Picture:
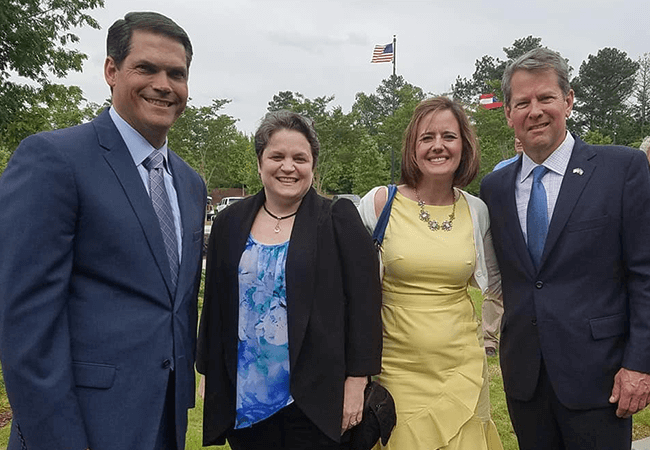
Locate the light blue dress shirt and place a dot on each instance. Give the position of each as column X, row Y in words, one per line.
column 140, row 148
column 502, row 164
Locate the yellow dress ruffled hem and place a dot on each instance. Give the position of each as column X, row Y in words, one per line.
column 433, row 360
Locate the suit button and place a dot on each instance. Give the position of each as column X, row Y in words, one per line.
column 539, row 285
column 166, row 364
column 534, row 321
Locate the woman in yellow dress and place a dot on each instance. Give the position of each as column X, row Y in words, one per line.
column 436, row 244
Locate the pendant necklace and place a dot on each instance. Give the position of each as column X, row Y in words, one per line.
column 433, row 224
column 278, row 218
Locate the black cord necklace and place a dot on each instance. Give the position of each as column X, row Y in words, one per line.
column 278, row 218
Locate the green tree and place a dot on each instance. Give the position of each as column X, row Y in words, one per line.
column 489, row 69
column 345, row 158
column 315, row 109
column 595, row 137
column 604, row 84
column 34, row 39
column 349, row 156
column 392, row 94
column 642, row 95
column 328, row 127
column 495, row 137
column 522, row 46
column 370, row 168
column 212, row 145
column 386, row 114
column 51, row 107
column 4, row 158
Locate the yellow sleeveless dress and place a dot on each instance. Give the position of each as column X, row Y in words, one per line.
column 433, row 360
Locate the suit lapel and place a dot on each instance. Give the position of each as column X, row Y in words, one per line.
column 301, row 271
column 572, row 186
column 121, row 162
column 187, row 202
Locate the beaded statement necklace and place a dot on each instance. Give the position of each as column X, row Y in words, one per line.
column 278, row 218
column 433, row 224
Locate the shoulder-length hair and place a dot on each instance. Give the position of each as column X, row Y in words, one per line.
column 286, row 120
column 470, row 159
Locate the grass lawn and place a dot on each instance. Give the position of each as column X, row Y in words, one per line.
column 497, row 397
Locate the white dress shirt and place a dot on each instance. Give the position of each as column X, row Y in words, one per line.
column 557, row 163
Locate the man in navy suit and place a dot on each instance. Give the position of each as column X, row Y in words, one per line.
column 569, row 223
column 98, row 309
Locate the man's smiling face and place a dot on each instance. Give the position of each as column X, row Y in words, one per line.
column 150, row 85
column 538, row 111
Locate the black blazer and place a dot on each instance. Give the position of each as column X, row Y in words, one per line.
column 333, row 310
column 586, row 310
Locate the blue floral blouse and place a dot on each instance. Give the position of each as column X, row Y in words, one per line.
column 263, row 348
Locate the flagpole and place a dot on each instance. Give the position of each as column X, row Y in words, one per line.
column 392, row 150
column 394, row 52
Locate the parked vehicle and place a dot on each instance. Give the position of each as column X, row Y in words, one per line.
column 354, row 198
column 209, row 208
column 225, row 202
column 206, row 236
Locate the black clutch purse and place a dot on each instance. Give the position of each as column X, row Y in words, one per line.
column 379, row 418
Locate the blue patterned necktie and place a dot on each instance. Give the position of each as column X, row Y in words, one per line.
column 537, row 216
column 160, row 200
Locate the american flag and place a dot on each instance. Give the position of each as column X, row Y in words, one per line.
column 383, row 53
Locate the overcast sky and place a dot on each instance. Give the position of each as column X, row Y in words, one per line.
column 249, row 50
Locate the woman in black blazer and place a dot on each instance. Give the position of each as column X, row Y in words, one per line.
column 291, row 324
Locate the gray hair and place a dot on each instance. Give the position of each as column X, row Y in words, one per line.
column 537, row 60
column 645, row 145
column 286, row 120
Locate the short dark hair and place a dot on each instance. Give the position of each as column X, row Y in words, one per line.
column 286, row 120
column 537, row 60
column 118, row 41
column 470, row 158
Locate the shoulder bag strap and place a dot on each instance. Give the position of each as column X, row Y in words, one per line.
column 382, row 222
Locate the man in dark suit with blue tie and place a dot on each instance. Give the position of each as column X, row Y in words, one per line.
column 101, row 230
column 569, row 223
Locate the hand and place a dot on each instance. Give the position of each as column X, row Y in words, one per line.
column 631, row 391
column 353, row 402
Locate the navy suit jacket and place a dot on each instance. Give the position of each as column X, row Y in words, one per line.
column 89, row 327
column 586, row 310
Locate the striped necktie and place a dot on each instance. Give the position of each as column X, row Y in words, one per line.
column 160, row 200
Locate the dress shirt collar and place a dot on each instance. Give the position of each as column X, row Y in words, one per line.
column 556, row 162
column 138, row 146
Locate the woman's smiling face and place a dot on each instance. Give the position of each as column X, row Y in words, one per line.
column 439, row 146
column 286, row 166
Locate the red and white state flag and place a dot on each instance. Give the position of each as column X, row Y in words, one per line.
column 489, row 101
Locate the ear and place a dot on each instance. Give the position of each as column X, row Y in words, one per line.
column 508, row 111
column 568, row 100
column 110, row 71
column 259, row 169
